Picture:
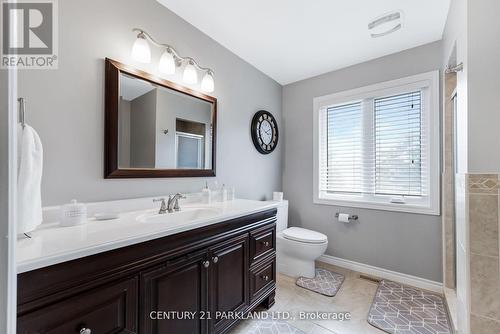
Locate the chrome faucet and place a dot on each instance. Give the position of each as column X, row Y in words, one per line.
column 163, row 207
column 173, row 202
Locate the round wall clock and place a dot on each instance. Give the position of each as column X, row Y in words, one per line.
column 264, row 131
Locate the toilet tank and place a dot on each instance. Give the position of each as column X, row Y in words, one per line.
column 282, row 216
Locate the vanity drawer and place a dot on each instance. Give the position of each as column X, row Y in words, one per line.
column 262, row 242
column 261, row 277
column 105, row 310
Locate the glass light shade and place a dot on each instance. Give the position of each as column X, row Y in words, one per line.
column 207, row 83
column 167, row 63
column 141, row 51
column 190, row 75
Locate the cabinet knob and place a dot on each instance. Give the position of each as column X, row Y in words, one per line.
column 215, row 259
column 85, row 331
column 206, row 264
column 265, row 278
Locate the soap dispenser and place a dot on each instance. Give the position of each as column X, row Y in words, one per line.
column 206, row 194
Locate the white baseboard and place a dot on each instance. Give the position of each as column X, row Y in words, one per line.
column 384, row 273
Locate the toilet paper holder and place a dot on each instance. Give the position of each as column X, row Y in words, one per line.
column 351, row 217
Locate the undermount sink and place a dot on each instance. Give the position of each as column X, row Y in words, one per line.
column 179, row 217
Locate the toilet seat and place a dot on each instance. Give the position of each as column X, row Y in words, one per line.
column 304, row 235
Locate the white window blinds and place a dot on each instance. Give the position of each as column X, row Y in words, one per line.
column 399, row 153
column 342, row 171
column 378, row 146
column 375, row 147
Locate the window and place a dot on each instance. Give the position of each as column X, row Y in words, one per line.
column 378, row 146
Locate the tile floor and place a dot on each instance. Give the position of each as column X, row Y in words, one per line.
column 355, row 296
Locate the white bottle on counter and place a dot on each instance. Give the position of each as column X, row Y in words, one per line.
column 231, row 193
column 206, row 194
column 223, row 193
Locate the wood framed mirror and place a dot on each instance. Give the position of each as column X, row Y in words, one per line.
column 156, row 128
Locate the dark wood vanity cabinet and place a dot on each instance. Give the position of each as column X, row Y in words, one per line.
column 177, row 287
column 183, row 283
column 203, row 283
column 108, row 309
column 229, row 281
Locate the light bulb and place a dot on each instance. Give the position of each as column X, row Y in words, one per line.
column 190, row 75
column 167, row 63
column 207, row 83
column 140, row 50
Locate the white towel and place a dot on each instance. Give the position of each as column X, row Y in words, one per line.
column 29, row 179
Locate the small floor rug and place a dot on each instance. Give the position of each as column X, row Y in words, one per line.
column 325, row 282
column 272, row 327
column 400, row 309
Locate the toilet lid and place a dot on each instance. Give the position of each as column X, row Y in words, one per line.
column 304, row 235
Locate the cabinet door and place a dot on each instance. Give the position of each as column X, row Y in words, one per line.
column 170, row 291
column 228, row 281
column 105, row 310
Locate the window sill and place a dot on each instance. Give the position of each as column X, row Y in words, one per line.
column 408, row 208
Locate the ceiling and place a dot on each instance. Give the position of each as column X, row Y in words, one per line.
column 291, row 40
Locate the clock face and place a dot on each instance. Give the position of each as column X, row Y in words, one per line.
column 264, row 132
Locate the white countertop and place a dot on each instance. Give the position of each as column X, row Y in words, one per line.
column 51, row 244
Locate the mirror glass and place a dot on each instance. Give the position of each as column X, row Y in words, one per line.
column 161, row 128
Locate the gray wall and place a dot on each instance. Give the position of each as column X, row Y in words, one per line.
column 171, row 106
column 66, row 105
column 471, row 32
column 142, row 130
column 406, row 243
column 483, row 82
column 124, row 133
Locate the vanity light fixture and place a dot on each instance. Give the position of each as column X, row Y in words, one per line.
column 170, row 60
column 140, row 50
column 167, row 63
column 190, row 76
column 207, row 83
column 382, row 21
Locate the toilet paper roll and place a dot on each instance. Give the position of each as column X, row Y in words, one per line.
column 343, row 217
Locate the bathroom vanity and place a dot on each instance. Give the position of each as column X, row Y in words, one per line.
column 207, row 264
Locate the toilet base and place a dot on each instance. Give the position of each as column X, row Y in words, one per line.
column 295, row 267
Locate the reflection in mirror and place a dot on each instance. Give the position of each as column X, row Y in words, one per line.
column 162, row 128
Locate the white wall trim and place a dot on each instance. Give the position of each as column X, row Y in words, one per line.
column 384, row 273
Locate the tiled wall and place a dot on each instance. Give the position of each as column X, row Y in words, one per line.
column 462, row 253
column 483, row 219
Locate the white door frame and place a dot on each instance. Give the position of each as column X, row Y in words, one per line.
column 8, row 233
column 12, row 267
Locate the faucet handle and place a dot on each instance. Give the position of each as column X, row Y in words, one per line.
column 176, row 203
column 156, row 200
column 163, row 207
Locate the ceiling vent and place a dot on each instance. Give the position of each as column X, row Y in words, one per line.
column 385, row 24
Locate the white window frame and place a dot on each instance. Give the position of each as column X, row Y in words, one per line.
column 429, row 84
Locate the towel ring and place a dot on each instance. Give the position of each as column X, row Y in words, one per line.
column 22, row 111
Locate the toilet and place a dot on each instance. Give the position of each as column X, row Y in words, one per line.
column 297, row 248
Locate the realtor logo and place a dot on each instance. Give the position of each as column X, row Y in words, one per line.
column 29, row 34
